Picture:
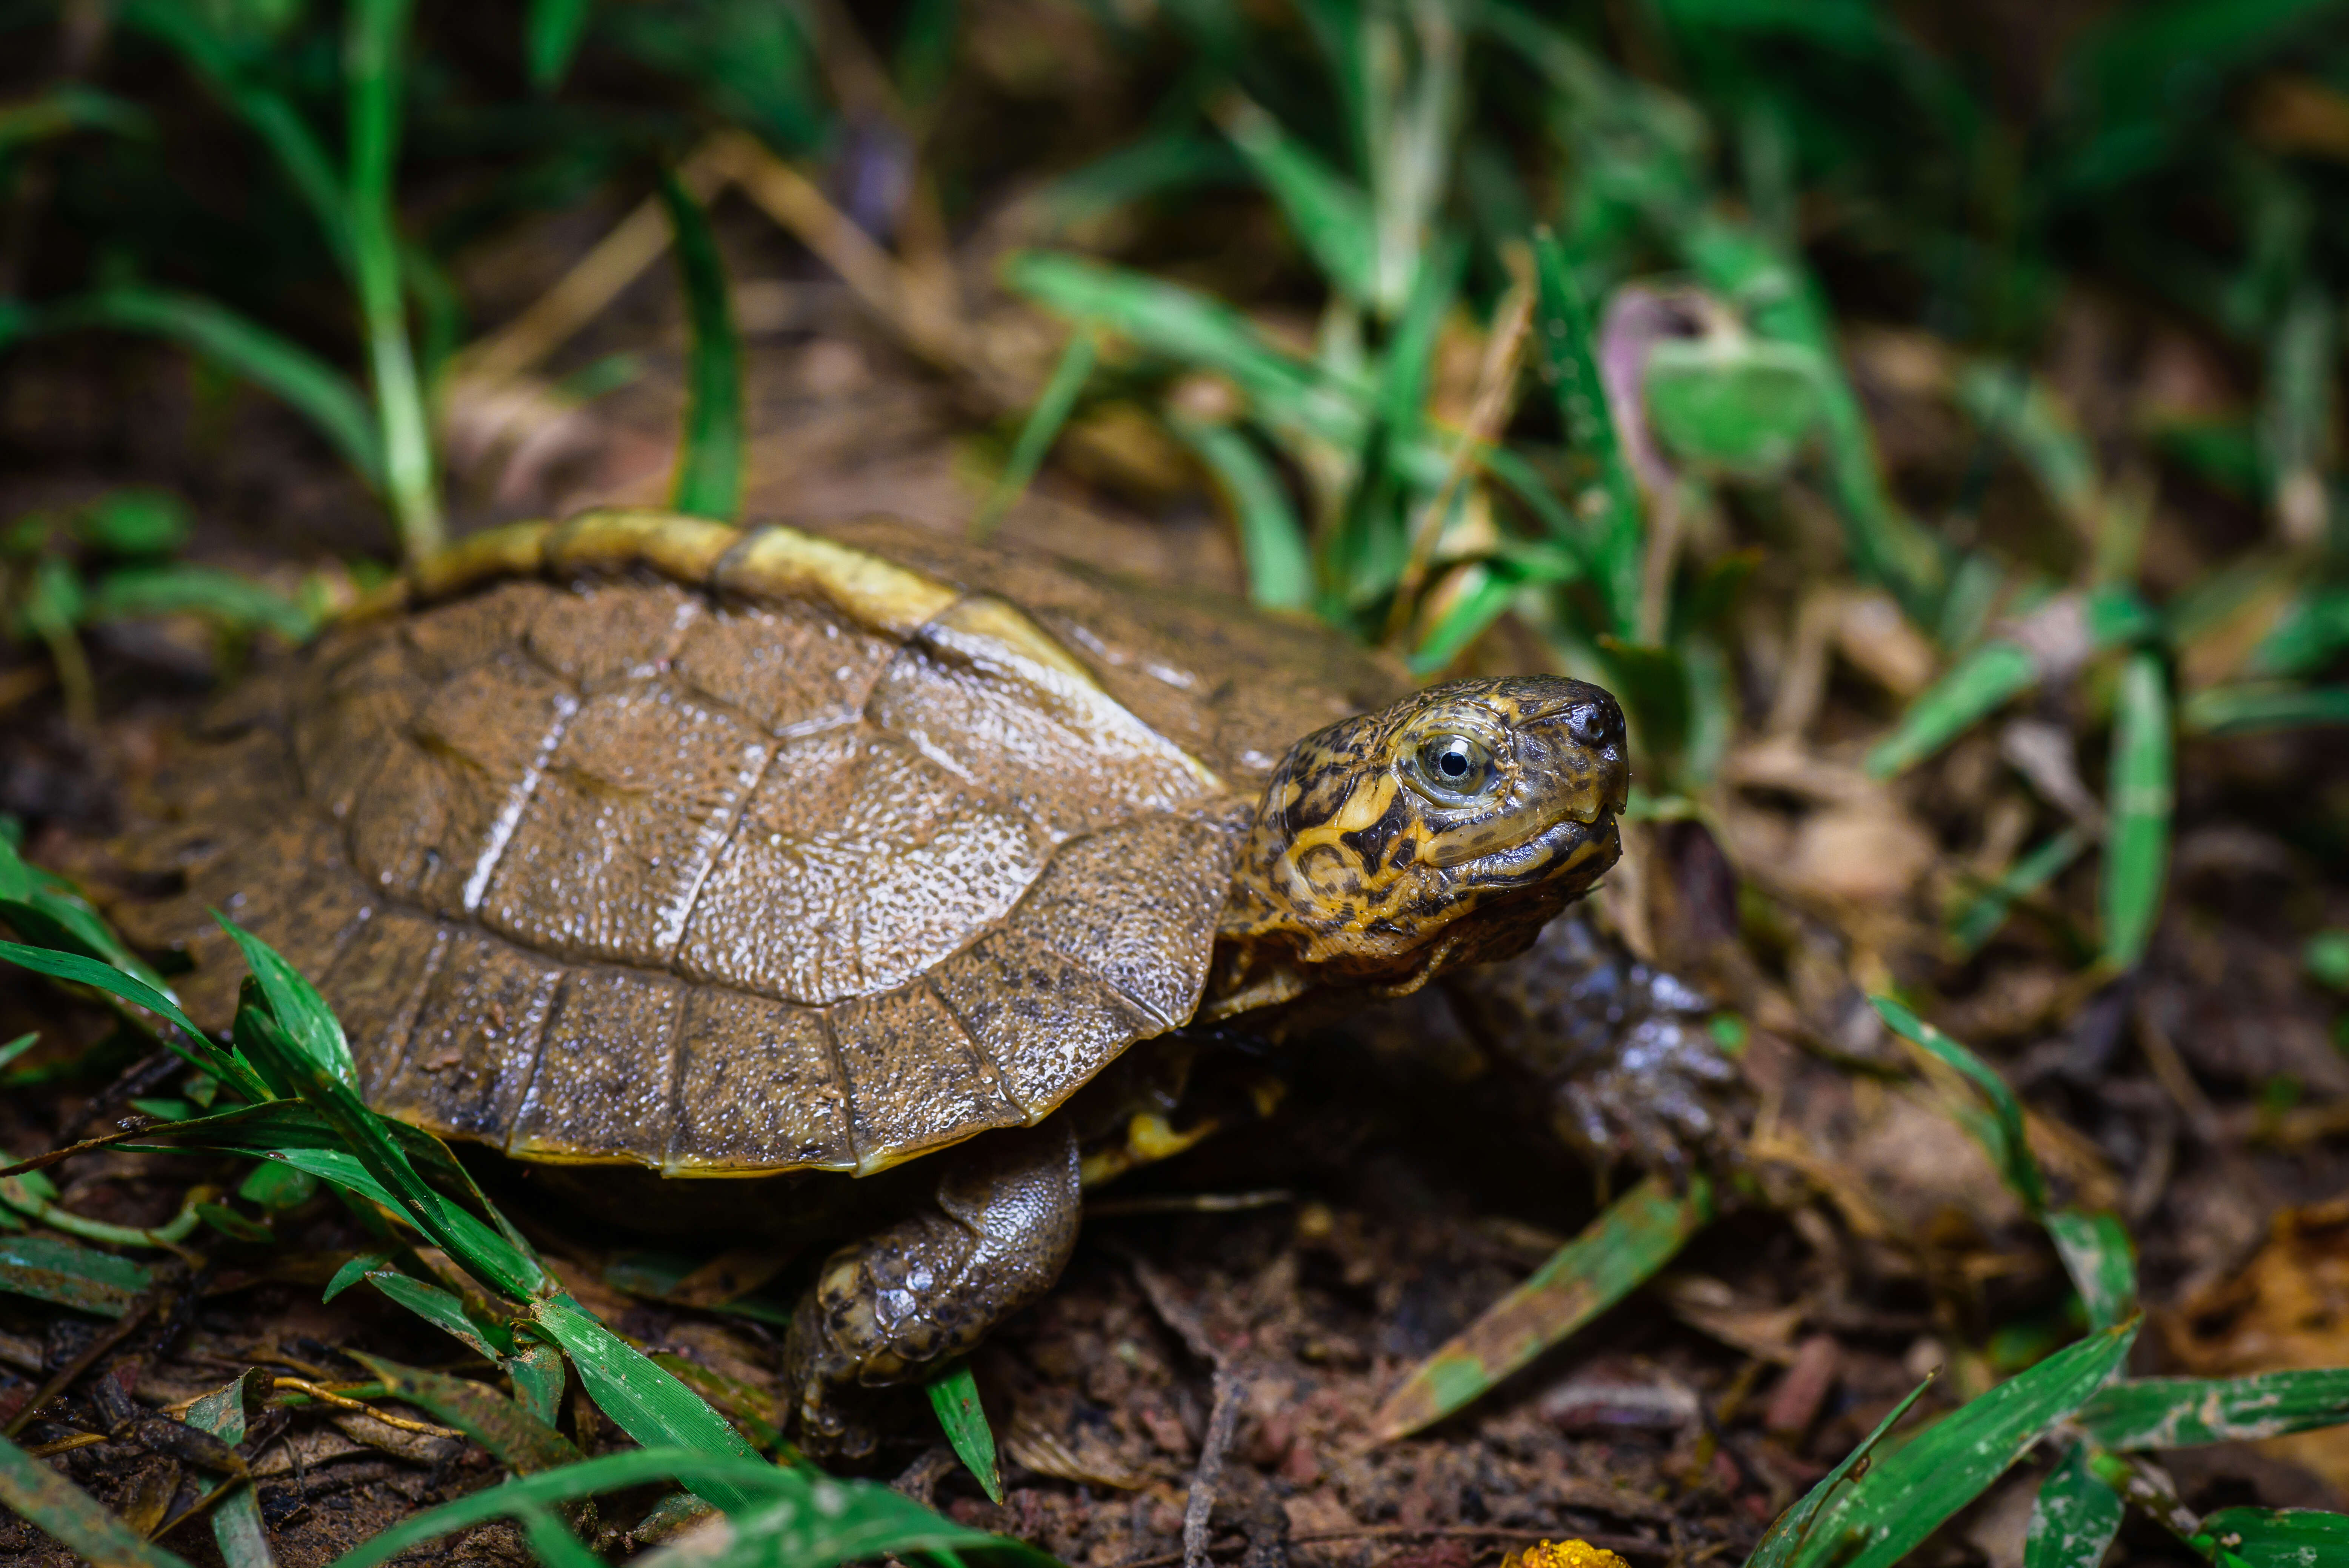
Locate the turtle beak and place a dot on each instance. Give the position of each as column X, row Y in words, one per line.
column 1571, row 750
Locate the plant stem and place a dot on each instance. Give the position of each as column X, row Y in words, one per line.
column 378, row 30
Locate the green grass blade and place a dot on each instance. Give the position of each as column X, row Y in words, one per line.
column 2275, row 1537
column 1885, row 1514
column 2101, row 1260
column 2181, row 1412
column 372, row 51
column 842, row 1522
column 301, row 1011
column 44, row 905
column 2256, row 709
column 1164, row 162
column 550, row 34
column 1272, row 540
column 1636, row 1236
column 612, row 1472
column 437, row 1307
column 291, row 374
column 177, row 588
column 1981, row 920
column 203, row 1056
column 709, row 457
column 2136, row 847
column 1787, row 1533
column 1329, row 213
column 51, row 1269
column 2010, row 1150
column 1039, row 431
column 1977, row 686
column 954, row 1395
column 521, row 1442
column 1617, row 530
column 225, row 1413
column 1468, row 619
column 2309, row 635
column 537, row 1368
column 39, row 1494
column 648, row 1404
column 2074, row 1517
column 68, row 108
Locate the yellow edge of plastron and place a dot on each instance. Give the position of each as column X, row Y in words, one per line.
column 777, row 561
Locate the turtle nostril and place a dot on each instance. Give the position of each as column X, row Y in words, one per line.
column 1595, row 724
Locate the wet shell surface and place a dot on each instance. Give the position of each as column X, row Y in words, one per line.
column 643, row 840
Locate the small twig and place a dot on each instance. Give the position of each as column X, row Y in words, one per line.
column 66, row 1444
column 1224, row 1417
column 341, row 1400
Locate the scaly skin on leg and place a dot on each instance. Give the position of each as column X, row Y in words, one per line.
column 901, row 1303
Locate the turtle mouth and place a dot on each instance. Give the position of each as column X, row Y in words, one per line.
column 1571, row 846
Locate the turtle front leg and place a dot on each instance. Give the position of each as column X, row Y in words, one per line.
column 898, row 1305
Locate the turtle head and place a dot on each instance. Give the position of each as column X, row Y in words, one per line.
column 1444, row 830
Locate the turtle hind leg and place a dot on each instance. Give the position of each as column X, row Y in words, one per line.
column 897, row 1306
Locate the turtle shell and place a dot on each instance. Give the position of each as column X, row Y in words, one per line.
column 645, row 839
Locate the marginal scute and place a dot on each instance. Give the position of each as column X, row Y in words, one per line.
column 606, row 1078
column 758, row 1088
column 917, row 1082
column 646, row 839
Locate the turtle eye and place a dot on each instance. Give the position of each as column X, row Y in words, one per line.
column 1453, row 770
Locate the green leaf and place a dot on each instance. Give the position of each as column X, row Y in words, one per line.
column 709, row 457
column 37, row 1493
column 1329, row 214
column 1610, row 503
column 1976, row 686
column 1888, row 1512
column 353, row 1271
column 2276, row 1537
column 537, row 1368
column 294, row 375
column 375, row 46
column 107, row 977
column 834, row 1522
column 129, row 593
column 1793, row 1528
column 68, row 108
column 1639, row 1234
column 551, row 36
column 648, row 1404
column 2137, row 845
column 2098, row 1255
column 2181, row 1412
column 441, row 1308
column 954, row 1395
column 133, row 521
column 521, row 1442
column 51, row 1269
column 2004, row 1137
column 1272, row 541
column 296, row 1003
column 1039, row 431
column 1979, row 920
column 226, row 1413
column 2074, row 1517
column 1732, row 404
column 60, row 917
column 1468, row 619
column 2256, row 708
column 277, row 1186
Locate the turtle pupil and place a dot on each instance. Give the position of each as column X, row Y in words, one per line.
column 1454, row 762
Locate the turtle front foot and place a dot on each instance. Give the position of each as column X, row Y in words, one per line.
column 899, row 1305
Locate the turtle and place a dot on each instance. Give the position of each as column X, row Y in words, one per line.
column 702, row 851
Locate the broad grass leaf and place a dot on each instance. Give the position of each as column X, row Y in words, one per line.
column 442, row 1309
column 1979, row 920
column 1733, row 405
column 1636, row 1236
column 537, row 1368
column 2074, row 1517
column 1887, row 1511
column 1467, row 618
column 2277, row 1537
column 52, row 1269
column 2257, row 708
column 644, row 1401
column 202, row 1054
column 521, row 1442
column 751, row 1478
column 1616, row 534
column 40, row 1495
column 708, row 481
column 1792, row 1528
column 353, row 1271
column 175, row 587
column 954, row 1395
column 551, row 33
column 833, row 1522
column 2142, row 791
column 1976, row 687
column 1329, row 213
column 2101, row 1259
column 2181, row 1412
